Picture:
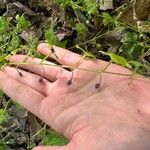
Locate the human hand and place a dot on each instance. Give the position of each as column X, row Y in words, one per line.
column 115, row 116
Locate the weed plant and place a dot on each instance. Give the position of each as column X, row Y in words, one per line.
column 132, row 53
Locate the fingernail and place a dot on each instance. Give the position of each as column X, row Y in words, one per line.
column 43, row 46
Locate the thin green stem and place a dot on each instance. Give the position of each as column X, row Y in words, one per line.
column 83, row 69
column 44, row 128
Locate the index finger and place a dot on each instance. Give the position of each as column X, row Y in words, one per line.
column 61, row 55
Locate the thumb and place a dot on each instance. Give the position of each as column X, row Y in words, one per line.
column 50, row 148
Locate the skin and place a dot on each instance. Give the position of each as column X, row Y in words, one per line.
column 115, row 116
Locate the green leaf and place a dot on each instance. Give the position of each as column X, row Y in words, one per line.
column 117, row 59
column 4, row 25
column 64, row 3
column 3, row 146
column 89, row 54
column 3, row 60
column 81, row 29
column 33, row 43
column 91, row 6
column 86, row 53
column 108, row 20
column 132, row 51
column 51, row 37
column 131, row 47
column 130, row 37
column 31, row 145
column 54, row 138
column 1, row 93
column 14, row 43
column 3, row 116
column 22, row 23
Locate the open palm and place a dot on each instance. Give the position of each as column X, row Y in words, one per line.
column 114, row 116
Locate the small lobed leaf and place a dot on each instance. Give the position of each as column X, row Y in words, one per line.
column 89, row 54
column 107, row 19
column 117, row 59
column 3, row 116
column 3, row 60
column 14, row 43
column 130, row 37
column 81, row 29
column 54, row 138
column 50, row 37
column 4, row 25
column 91, row 6
column 22, row 23
column 131, row 47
